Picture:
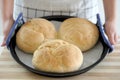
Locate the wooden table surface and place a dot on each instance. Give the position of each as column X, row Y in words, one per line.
column 108, row 69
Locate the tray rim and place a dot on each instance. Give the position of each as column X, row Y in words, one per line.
column 12, row 45
column 52, row 74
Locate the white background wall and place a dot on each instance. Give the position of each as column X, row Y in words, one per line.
column 118, row 16
column 101, row 11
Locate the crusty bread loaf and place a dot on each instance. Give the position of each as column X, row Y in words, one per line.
column 57, row 56
column 80, row 32
column 33, row 33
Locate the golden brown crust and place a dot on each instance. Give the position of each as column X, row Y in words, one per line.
column 80, row 32
column 57, row 56
column 33, row 33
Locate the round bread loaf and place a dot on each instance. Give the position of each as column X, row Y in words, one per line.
column 57, row 56
column 80, row 32
column 33, row 33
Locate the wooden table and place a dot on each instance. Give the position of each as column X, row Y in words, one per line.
column 108, row 69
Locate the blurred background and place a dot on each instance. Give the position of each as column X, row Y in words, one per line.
column 118, row 16
column 101, row 13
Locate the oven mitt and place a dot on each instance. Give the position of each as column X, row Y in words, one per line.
column 103, row 36
column 19, row 22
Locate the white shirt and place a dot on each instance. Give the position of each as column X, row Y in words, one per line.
column 38, row 8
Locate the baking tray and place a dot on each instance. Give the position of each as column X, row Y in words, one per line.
column 91, row 57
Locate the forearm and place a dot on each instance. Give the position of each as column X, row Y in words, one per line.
column 110, row 9
column 110, row 20
column 7, row 15
column 7, row 10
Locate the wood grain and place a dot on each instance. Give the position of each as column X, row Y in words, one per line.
column 108, row 69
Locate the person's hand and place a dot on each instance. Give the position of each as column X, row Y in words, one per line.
column 111, row 32
column 6, row 28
